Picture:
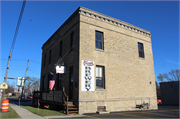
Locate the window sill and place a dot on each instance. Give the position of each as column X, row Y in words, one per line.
column 142, row 58
column 100, row 89
column 99, row 50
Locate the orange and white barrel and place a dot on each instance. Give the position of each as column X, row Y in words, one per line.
column 5, row 105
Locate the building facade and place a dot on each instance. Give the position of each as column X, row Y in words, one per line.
column 109, row 63
column 170, row 93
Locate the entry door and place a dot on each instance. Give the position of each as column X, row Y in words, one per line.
column 71, row 80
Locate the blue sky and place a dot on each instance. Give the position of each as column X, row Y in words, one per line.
column 42, row 18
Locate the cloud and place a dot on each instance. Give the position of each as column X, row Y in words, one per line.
column 170, row 61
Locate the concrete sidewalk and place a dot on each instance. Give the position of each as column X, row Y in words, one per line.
column 25, row 114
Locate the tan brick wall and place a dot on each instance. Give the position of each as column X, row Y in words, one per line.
column 114, row 106
column 126, row 75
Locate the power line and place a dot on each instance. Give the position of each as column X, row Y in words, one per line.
column 18, row 24
column 15, row 59
column 24, row 59
column 13, row 43
column 34, row 72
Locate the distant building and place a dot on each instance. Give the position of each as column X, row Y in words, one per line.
column 170, row 93
column 109, row 63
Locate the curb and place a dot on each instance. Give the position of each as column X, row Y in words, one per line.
column 67, row 116
column 11, row 118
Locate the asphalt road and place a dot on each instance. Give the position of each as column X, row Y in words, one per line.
column 23, row 102
column 162, row 112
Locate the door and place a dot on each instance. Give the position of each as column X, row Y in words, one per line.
column 71, row 80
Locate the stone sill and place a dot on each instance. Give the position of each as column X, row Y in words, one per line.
column 99, row 50
column 100, row 89
column 141, row 58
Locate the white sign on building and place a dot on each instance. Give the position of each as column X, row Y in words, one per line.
column 20, row 81
column 87, row 75
column 60, row 69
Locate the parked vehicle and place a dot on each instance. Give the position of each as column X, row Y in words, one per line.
column 29, row 96
column 22, row 96
column 159, row 101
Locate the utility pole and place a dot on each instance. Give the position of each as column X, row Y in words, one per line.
column 14, row 40
column 6, row 73
column 25, row 80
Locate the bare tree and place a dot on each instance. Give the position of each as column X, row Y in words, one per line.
column 32, row 84
column 158, row 91
column 173, row 75
column 10, row 88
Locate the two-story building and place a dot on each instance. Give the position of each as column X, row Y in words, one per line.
column 109, row 63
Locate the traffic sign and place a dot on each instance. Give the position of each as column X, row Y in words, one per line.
column 4, row 86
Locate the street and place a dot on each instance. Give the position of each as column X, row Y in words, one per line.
column 162, row 112
column 24, row 102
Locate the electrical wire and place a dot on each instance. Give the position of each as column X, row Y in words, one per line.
column 24, row 59
column 18, row 24
column 15, row 35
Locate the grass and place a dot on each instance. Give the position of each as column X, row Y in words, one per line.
column 43, row 112
column 10, row 114
column 11, row 97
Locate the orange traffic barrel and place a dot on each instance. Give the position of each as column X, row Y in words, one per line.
column 5, row 105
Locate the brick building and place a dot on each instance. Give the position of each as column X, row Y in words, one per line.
column 170, row 93
column 109, row 63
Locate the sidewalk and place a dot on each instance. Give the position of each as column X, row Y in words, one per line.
column 25, row 114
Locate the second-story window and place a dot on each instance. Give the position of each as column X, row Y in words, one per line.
column 44, row 61
column 141, row 50
column 49, row 56
column 43, row 83
column 99, row 40
column 72, row 40
column 60, row 49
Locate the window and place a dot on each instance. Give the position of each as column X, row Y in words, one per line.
column 43, row 83
column 59, row 81
column 141, row 50
column 44, row 63
column 72, row 40
column 71, row 84
column 100, row 80
column 99, row 40
column 49, row 56
column 49, row 77
column 60, row 49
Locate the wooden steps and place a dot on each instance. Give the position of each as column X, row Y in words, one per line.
column 71, row 109
column 73, row 112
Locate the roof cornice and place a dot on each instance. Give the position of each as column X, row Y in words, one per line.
column 112, row 21
column 104, row 18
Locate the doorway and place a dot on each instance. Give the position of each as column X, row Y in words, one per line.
column 71, row 80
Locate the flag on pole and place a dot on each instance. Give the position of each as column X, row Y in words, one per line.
column 52, row 81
